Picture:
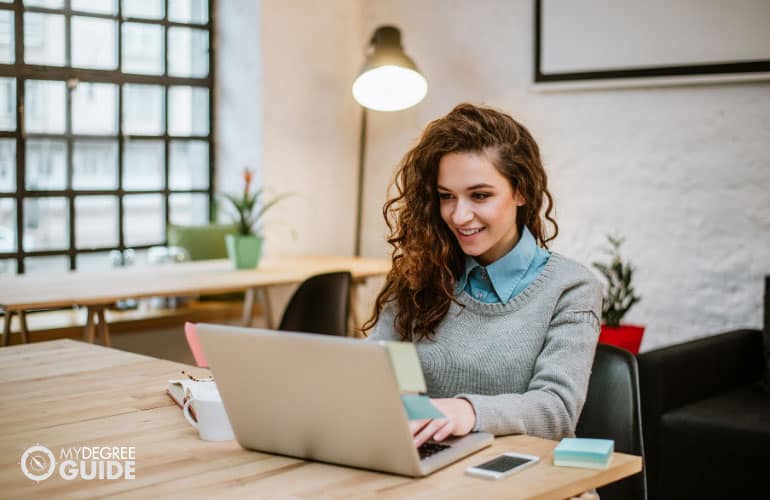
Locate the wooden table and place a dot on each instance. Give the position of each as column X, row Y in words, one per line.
column 98, row 290
column 64, row 394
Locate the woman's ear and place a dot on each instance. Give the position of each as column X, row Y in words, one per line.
column 519, row 199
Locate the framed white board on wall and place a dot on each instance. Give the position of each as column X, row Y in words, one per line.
column 651, row 41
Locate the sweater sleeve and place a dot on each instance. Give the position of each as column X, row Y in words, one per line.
column 557, row 390
column 384, row 329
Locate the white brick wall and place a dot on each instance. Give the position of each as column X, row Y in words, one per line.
column 682, row 172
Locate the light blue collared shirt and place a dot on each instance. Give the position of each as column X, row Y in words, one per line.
column 507, row 276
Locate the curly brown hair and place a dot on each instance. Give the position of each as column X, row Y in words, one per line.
column 427, row 259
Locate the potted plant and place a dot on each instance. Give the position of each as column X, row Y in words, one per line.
column 619, row 297
column 244, row 248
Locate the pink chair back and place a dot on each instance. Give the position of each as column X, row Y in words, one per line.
column 195, row 345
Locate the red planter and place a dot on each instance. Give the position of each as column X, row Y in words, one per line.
column 628, row 337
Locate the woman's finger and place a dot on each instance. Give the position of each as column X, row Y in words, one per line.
column 428, row 431
column 415, row 426
column 445, row 431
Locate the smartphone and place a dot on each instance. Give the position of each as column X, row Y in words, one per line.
column 502, row 466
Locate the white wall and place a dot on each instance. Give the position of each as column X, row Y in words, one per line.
column 311, row 122
column 682, row 172
column 237, row 95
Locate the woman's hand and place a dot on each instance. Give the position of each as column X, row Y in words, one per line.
column 459, row 421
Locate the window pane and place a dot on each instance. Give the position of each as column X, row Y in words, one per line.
column 95, row 165
column 8, row 266
column 147, row 9
column 143, row 217
column 188, row 11
column 7, row 104
column 98, row 6
column 7, row 165
column 189, row 165
column 189, row 209
column 143, row 165
column 46, row 224
column 94, row 108
column 96, row 221
column 7, row 225
column 93, row 261
column 7, row 37
column 188, row 111
column 188, row 52
column 94, row 43
column 51, row 4
column 44, row 105
column 45, row 165
column 41, row 265
column 143, row 109
column 142, row 48
column 44, row 39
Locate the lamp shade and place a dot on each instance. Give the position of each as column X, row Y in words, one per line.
column 389, row 80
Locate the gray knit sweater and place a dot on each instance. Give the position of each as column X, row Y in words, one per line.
column 523, row 365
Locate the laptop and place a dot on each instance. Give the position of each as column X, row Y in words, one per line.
column 319, row 397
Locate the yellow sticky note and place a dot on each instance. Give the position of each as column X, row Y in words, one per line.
column 406, row 365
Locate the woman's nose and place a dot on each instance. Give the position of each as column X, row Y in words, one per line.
column 462, row 213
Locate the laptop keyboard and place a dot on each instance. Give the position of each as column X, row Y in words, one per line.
column 428, row 449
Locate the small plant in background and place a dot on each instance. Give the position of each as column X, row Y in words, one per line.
column 247, row 209
column 619, row 295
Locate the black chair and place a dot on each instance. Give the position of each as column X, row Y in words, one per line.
column 612, row 411
column 320, row 305
column 706, row 418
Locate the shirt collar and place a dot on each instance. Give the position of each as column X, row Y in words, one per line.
column 506, row 272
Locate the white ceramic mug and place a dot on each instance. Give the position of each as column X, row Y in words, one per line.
column 212, row 424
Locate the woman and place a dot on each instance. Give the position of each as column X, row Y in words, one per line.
column 505, row 330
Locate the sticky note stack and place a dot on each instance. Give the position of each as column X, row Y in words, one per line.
column 584, row 452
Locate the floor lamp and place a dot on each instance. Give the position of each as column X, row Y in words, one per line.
column 389, row 81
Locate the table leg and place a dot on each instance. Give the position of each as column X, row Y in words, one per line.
column 89, row 331
column 7, row 328
column 104, row 330
column 268, row 309
column 24, row 327
column 248, row 307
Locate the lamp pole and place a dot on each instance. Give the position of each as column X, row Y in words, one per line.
column 389, row 81
column 360, row 189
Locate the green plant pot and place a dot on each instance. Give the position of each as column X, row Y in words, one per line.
column 244, row 251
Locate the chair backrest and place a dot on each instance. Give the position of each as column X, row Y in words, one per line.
column 320, row 305
column 202, row 242
column 613, row 411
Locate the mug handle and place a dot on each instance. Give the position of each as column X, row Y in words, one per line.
column 187, row 415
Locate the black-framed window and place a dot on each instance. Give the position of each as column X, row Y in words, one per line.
column 106, row 126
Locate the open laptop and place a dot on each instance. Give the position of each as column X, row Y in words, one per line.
column 319, row 397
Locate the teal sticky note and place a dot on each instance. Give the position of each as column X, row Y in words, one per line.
column 584, row 452
column 406, row 365
column 419, row 407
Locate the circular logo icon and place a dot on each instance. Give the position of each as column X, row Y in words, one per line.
column 38, row 463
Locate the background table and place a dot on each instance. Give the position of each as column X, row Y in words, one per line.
column 98, row 290
column 65, row 393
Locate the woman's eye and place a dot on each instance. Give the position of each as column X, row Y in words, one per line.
column 444, row 196
column 481, row 196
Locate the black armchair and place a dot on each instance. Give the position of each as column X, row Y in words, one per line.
column 706, row 419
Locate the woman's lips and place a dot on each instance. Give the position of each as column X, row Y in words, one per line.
column 467, row 238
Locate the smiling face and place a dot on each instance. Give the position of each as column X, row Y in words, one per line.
column 479, row 205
